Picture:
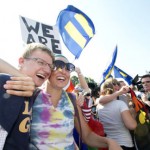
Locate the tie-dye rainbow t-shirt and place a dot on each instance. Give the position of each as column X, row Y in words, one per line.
column 52, row 128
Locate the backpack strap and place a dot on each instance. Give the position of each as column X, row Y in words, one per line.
column 73, row 100
column 35, row 94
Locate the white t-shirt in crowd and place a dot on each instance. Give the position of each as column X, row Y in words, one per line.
column 110, row 116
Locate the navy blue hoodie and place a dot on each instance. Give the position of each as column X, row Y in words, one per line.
column 15, row 115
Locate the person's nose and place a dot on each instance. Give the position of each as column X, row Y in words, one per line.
column 62, row 69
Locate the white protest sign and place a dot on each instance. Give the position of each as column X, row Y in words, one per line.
column 34, row 31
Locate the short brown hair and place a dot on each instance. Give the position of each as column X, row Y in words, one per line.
column 30, row 48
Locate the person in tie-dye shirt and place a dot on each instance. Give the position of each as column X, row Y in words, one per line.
column 53, row 117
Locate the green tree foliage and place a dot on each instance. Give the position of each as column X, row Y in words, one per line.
column 75, row 80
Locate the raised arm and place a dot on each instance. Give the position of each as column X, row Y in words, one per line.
column 103, row 99
column 5, row 67
column 82, row 80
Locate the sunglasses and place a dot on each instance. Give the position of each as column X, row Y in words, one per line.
column 60, row 64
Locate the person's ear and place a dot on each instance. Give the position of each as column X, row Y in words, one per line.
column 21, row 61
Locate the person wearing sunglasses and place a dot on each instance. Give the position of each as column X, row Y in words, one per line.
column 53, row 117
column 55, row 130
column 59, row 64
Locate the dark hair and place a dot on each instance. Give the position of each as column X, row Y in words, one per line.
column 95, row 89
column 145, row 76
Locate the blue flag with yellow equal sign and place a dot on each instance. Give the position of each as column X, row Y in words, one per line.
column 76, row 29
column 107, row 72
column 118, row 73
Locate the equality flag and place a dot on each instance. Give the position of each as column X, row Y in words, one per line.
column 76, row 29
column 107, row 72
column 118, row 73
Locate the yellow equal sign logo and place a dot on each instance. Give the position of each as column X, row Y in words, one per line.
column 123, row 74
column 75, row 34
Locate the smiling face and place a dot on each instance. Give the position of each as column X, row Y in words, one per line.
column 37, row 66
column 146, row 83
column 60, row 76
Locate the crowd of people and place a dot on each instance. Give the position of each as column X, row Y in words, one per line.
column 36, row 112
